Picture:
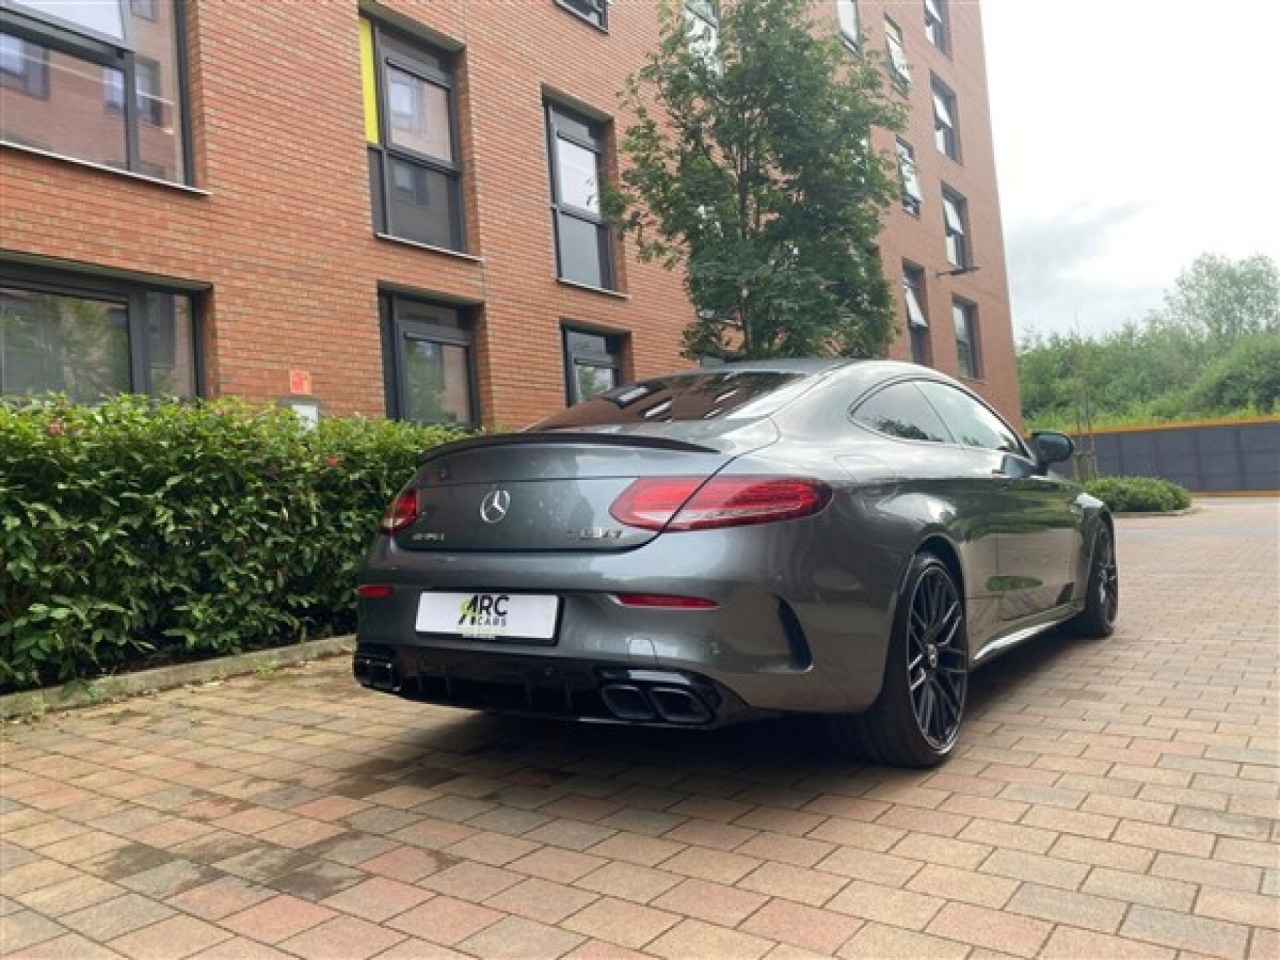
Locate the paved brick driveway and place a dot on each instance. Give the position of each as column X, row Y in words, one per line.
column 1110, row 799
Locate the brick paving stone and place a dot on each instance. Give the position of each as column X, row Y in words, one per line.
column 69, row 895
column 1103, row 853
column 1216, row 873
column 112, row 918
column 1036, row 869
column 881, row 940
column 571, row 834
column 445, row 920
column 994, row 833
column 1012, row 934
column 638, row 848
column 23, row 928
column 470, row 881
column 1253, row 909
column 966, row 886
column 178, row 936
column 798, row 925
column 628, row 882
column 343, row 938
column 408, row 864
column 695, row 940
column 857, row 833
column 1069, row 907
column 711, row 864
column 1140, row 888
column 552, row 863
column 956, row 853
column 713, row 902
column 1246, row 852
column 1068, row 943
column 518, row 938
column 377, row 899
column 276, row 919
column 870, row 901
column 883, row 868
column 622, row 922
column 220, row 898
column 1183, row 932
column 541, row 900
column 814, row 887
column 785, row 849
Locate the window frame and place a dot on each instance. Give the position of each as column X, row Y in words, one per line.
column 849, row 8
column 396, row 329
column 704, row 41
column 595, row 141
column 385, row 153
column 946, row 128
column 594, row 12
column 33, row 79
column 608, row 358
column 937, row 26
column 909, row 173
column 955, row 222
column 914, row 294
column 134, row 295
column 896, row 48
column 968, row 348
column 56, row 34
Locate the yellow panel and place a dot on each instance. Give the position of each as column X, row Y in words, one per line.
column 368, row 75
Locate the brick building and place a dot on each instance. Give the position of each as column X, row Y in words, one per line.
column 387, row 207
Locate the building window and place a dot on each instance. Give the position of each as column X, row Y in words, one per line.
column 847, row 14
column 89, row 338
column 935, row 24
column 592, row 364
column 415, row 175
column 60, row 60
column 584, row 251
column 944, row 121
column 917, row 317
column 429, row 368
column 24, row 67
column 912, row 198
column 592, row 11
column 898, row 66
column 702, row 26
column 965, row 316
column 955, row 216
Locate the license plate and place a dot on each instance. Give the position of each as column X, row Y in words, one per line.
column 489, row 616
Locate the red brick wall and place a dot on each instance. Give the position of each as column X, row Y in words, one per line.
column 281, row 229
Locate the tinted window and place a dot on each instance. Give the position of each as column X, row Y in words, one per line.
column 709, row 396
column 901, row 411
column 970, row 422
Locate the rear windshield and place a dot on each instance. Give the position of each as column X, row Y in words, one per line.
column 708, row 396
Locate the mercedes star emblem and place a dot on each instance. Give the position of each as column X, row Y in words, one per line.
column 493, row 508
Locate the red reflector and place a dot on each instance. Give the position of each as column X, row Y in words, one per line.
column 688, row 503
column 666, row 602
column 402, row 512
column 373, row 591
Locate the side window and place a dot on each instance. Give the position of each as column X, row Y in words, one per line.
column 901, row 411
column 971, row 423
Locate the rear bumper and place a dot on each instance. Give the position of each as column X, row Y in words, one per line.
column 568, row 689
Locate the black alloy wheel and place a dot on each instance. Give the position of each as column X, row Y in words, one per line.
column 1102, row 595
column 916, row 719
column 937, row 658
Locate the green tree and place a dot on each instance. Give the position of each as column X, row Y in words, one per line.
column 757, row 175
column 1225, row 300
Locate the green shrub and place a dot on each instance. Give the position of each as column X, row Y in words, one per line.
column 141, row 531
column 1139, row 494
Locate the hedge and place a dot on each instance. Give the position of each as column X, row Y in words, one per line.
column 1139, row 494
column 144, row 531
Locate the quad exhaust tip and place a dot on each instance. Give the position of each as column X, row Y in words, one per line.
column 637, row 704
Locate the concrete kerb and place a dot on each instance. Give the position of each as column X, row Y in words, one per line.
column 106, row 689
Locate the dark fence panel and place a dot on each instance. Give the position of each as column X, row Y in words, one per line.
column 1240, row 457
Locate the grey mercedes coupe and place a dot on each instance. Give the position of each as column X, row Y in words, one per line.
column 843, row 537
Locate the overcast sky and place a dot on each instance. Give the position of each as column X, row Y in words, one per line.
column 1131, row 136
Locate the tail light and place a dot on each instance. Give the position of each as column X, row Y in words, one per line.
column 690, row 503
column 373, row 591
column 402, row 512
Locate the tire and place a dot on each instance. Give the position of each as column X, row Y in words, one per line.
column 915, row 721
column 1102, row 596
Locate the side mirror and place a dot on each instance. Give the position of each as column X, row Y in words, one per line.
column 1051, row 447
